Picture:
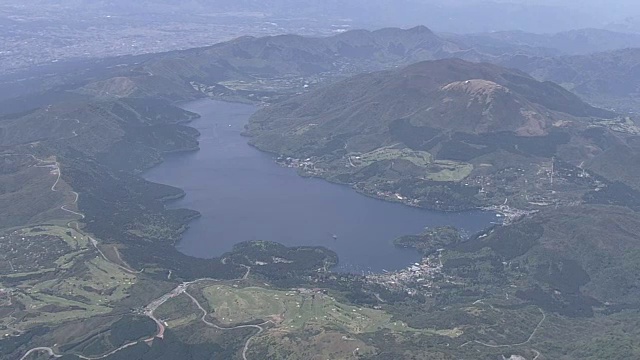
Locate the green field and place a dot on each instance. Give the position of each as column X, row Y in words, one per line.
column 84, row 284
column 436, row 170
column 76, row 295
column 419, row 158
column 73, row 238
column 294, row 310
column 446, row 170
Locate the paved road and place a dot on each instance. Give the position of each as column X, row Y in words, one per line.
column 41, row 349
column 154, row 305
column 533, row 333
column 247, row 343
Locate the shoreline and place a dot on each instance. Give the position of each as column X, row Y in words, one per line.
column 167, row 201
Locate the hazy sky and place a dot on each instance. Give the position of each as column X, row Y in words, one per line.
column 441, row 15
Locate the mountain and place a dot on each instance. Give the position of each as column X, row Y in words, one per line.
column 291, row 55
column 448, row 95
column 449, row 126
column 574, row 42
column 575, row 254
column 266, row 67
column 630, row 24
column 571, row 266
column 260, row 66
column 89, row 264
column 606, row 78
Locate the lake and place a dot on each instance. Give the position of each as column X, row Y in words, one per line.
column 244, row 195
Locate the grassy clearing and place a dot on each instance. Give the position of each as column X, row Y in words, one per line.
column 103, row 282
column 436, row 170
column 294, row 310
column 38, row 250
column 83, row 291
column 445, row 170
column 419, row 158
column 74, row 239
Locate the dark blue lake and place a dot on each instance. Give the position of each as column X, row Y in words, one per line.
column 244, row 195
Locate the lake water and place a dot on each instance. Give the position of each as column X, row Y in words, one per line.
column 244, row 195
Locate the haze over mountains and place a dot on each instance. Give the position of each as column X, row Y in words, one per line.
column 31, row 31
column 573, row 42
column 459, row 16
column 506, row 121
column 605, row 79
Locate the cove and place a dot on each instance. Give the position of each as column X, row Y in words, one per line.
column 244, row 195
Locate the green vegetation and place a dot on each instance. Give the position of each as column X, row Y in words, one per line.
column 457, row 136
column 419, row 158
column 537, row 286
column 448, row 135
column 449, row 171
column 293, row 310
column 21, row 177
column 64, row 280
column 431, row 240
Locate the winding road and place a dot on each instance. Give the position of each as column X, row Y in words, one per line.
column 154, row 305
column 56, row 168
column 533, row 333
column 149, row 312
column 48, row 350
column 75, row 226
column 204, row 320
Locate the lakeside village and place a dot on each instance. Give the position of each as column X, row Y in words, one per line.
column 417, row 278
column 307, row 167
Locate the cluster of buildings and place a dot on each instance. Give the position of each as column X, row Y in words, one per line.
column 508, row 214
column 391, row 196
column 417, row 278
column 306, row 166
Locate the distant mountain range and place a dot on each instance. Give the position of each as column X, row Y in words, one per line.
column 291, row 55
column 574, row 42
column 607, row 78
column 571, row 59
column 401, row 115
column 415, row 106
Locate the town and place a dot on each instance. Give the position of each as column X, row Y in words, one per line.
column 417, row 278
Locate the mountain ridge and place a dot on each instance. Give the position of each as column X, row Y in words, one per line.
column 449, row 125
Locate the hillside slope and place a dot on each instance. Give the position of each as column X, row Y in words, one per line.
column 451, row 95
column 432, row 125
